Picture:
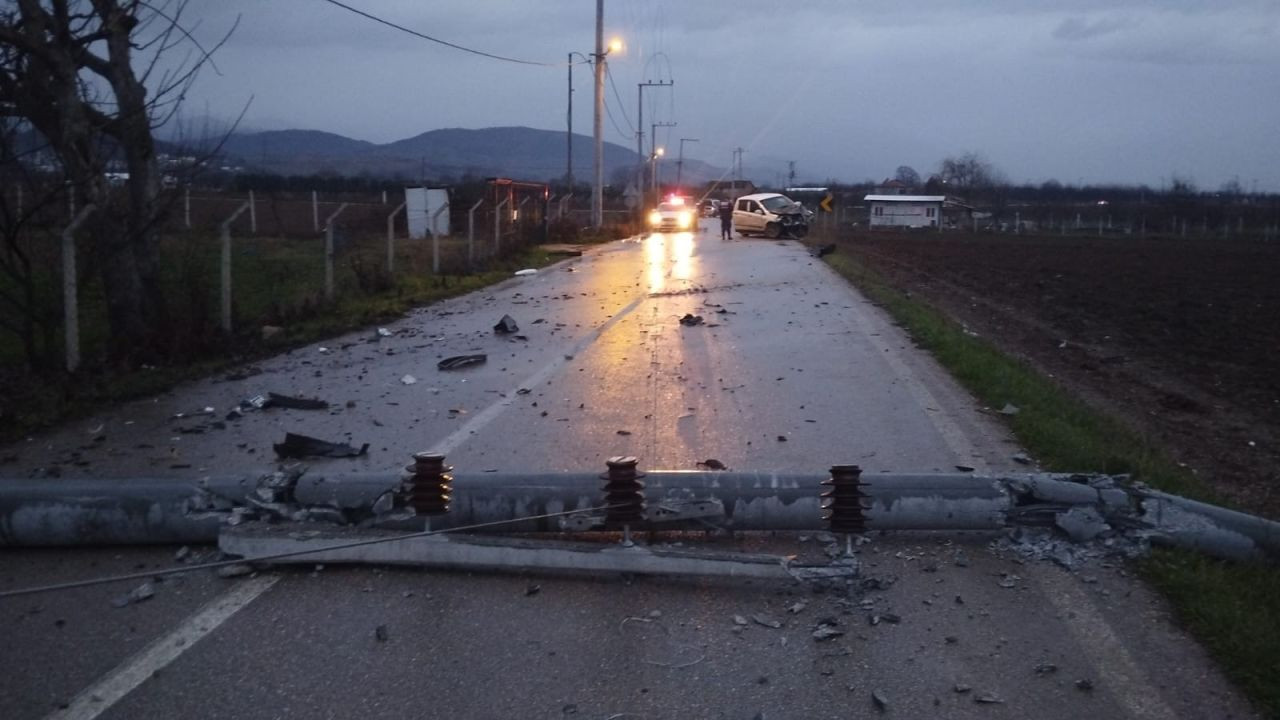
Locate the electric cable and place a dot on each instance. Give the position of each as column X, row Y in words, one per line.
column 446, row 43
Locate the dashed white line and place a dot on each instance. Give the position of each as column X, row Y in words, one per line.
column 99, row 697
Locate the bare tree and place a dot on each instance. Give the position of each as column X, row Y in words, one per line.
column 68, row 68
column 968, row 173
column 908, row 176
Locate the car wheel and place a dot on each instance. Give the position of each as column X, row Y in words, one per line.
column 772, row 230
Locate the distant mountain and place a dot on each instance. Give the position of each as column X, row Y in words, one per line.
column 276, row 145
column 516, row 152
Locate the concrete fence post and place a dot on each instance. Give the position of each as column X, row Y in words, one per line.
column 225, row 231
column 70, row 301
column 391, row 237
column 471, row 233
column 328, row 251
column 315, row 212
column 435, row 239
column 497, row 226
column 518, row 219
column 186, row 206
column 253, row 215
column 564, row 205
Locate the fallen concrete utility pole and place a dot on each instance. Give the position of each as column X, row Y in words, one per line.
column 508, row 554
column 96, row 512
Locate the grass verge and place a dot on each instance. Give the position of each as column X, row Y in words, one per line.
column 40, row 405
column 1233, row 609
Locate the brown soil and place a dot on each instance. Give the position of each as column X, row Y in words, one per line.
column 1179, row 338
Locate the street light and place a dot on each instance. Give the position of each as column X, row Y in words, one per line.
column 657, row 153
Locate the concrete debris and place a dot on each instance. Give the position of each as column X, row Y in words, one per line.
column 1084, row 684
column 881, row 702
column 506, row 326
column 408, row 380
column 1009, row 409
column 1046, row 668
column 182, row 554
column 689, row 320
column 711, row 464
column 1021, row 458
column 383, row 332
column 988, row 699
column 797, row 606
column 739, row 620
column 961, row 559
column 532, row 589
column 234, row 571
column 142, row 593
column 1046, row 545
column 1082, row 523
column 1009, row 581
column 461, row 361
column 961, row 688
column 526, row 271
column 300, row 446
column 826, row 632
column 766, row 621
column 384, row 504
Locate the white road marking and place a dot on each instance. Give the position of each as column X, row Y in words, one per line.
column 1117, row 672
column 99, row 697
column 489, row 414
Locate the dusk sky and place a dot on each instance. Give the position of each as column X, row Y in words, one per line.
column 1092, row 91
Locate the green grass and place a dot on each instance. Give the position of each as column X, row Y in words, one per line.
column 1232, row 608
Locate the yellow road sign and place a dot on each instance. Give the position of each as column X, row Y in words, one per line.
column 825, row 204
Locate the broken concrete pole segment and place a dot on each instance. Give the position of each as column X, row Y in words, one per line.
column 301, row 446
column 80, row 512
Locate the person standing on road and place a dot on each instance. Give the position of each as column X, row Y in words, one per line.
column 726, row 220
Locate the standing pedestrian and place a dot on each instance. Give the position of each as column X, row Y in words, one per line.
column 726, row 220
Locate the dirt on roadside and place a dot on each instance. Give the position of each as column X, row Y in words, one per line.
column 1180, row 338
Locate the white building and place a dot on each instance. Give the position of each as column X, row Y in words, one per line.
column 912, row 211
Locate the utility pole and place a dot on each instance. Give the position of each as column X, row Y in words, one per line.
column 653, row 147
column 568, row 168
column 597, row 190
column 791, row 173
column 640, row 156
column 680, row 161
column 737, row 163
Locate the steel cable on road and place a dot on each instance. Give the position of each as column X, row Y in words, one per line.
column 278, row 556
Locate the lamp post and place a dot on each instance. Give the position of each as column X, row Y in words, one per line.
column 657, row 153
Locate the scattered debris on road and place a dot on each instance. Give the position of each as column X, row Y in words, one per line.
column 294, row 403
column 689, row 320
column 300, row 446
column 1010, row 409
column 506, row 326
column 526, row 271
column 711, row 464
column 461, row 361
column 408, row 380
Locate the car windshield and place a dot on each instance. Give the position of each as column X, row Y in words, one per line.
column 776, row 203
column 669, row 207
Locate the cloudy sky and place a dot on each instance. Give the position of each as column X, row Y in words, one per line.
column 1090, row 91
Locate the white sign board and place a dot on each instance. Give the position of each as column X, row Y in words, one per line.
column 421, row 208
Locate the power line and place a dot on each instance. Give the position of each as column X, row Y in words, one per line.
column 621, row 107
column 446, row 43
column 608, row 110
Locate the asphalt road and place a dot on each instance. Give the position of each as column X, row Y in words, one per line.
column 941, row 626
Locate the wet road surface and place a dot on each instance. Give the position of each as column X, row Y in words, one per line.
column 790, row 370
